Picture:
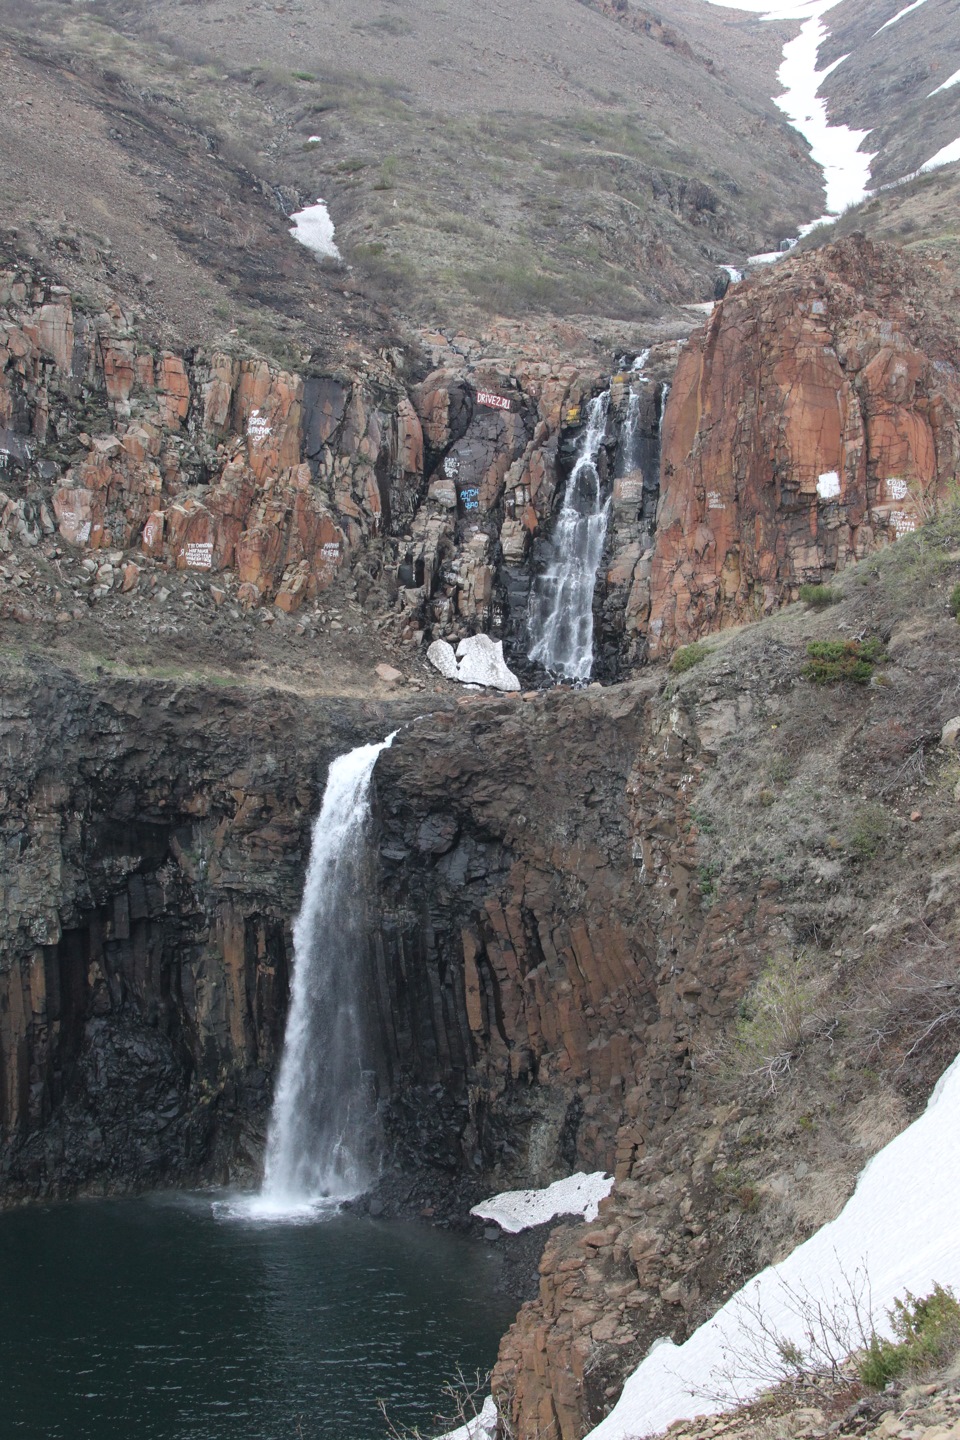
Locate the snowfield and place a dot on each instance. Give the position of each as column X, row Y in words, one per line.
column 900, row 1229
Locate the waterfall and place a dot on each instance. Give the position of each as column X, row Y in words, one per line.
column 628, row 458
column 321, row 1125
column 561, row 603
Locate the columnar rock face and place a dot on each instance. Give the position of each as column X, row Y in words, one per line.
column 815, row 418
column 211, row 462
column 269, row 483
column 155, row 840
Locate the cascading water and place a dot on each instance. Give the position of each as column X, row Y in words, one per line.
column 560, row 626
column 320, row 1135
column 628, row 458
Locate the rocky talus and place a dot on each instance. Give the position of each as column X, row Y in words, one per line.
column 815, row 418
column 923, row 1411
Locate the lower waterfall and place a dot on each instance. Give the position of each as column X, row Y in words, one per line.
column 320, row 1138
column 561, row 605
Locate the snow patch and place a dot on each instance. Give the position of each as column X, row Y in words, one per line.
column 899, row 1228
column 313, row 227
column 946, row 156
column 482, row 1427
column 947, row 85
column 828, row 486
column 478, row 661
column 899, row 16
column 517, row 1210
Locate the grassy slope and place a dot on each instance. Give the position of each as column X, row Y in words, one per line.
column 547, row 158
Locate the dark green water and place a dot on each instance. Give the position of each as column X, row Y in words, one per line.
column 152, row 1319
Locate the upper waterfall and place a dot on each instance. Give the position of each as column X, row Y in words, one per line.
column 561, row 604
column 320, row 1136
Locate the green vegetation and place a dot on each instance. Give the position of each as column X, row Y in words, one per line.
column 773, row 1020
column 687, row 656
column 870, row 827
column 833, row 661
column 927, row 1331
column 955, row 602
column 819, row 596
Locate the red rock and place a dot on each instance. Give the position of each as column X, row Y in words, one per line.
column 810, row 421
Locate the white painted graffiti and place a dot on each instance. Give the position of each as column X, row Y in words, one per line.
column 198, row 554
column 493, row 401
column 902, row 523
column 330, row 553
column 451, row 466
column 828, row 486
column 258, row 427
column 715, row 500
column 896, row 488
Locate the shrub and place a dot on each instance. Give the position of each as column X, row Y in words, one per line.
column 927, row 1331
column 687, row 656
column 869, row 829
column 955, row 602
column 819, row 596
column 774, row 1019
column 832, row 661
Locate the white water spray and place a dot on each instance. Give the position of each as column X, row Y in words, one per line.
column 320, row 1136
column 561, row 603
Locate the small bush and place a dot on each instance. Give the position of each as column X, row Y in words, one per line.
column 687, row 656
column 833, row 661
column 927, row 1331
column 819, row 596
column 955, row 602
column 869, row 829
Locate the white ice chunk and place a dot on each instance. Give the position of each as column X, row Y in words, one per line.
column 828, row 486
column 482, row 663
column 899, row 1228
column 478, row 661
column 313, row 227
column 517, row 1210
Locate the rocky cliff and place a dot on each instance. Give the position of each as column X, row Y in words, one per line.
column 156, row 836
column 127, row 466
column 585, row 895
column 815, row 418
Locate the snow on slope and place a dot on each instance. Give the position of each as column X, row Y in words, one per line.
column 313, row 227
column 947, row 85
column 901, row 1227
column 899, row 15
column 516, row 1210
column 835, row 148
